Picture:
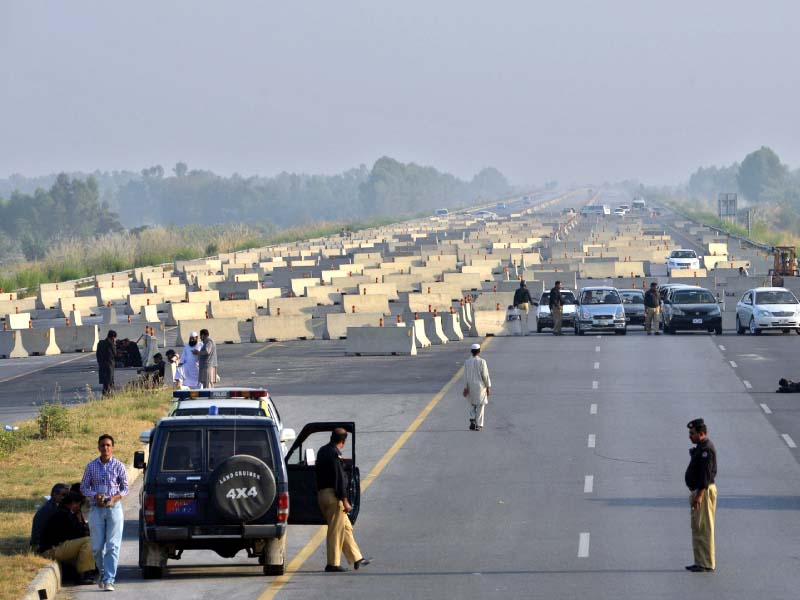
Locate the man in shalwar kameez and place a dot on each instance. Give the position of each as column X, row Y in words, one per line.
column 477, row 387
column 189, row 364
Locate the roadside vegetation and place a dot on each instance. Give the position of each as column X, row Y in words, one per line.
column 55, row 447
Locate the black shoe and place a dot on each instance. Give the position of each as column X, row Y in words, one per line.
column 658, row 333
column 472, row 424
column 691, row 567
column 478, row 428
column 361, row 563
column 699, row 569
column 334, row 569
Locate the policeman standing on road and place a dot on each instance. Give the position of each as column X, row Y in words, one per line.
column 652, row 308
column 700, row 476
column 106, row 355
column 477, row 387
column 332, row 484
column 522, row 302
column 556, row 307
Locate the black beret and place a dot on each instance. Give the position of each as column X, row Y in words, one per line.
column 695, row 424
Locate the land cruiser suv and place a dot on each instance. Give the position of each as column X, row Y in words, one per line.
column 219, row 482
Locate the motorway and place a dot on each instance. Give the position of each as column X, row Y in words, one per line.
column 574, row 489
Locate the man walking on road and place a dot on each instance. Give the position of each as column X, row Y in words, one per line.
column 652, row 309
column 522, row 302
column 105, row 483
column 208, row 360
column 700, row 476
column 477, row 387
column 556, row 307
column 332, row 484
column 106, row 354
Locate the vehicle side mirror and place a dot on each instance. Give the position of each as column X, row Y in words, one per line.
column 288, row 436
column 144, row 437
column 138, row 460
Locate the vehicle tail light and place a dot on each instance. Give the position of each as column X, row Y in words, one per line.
column 283, row 507
column 149, row 508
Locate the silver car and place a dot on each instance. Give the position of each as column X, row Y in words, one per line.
column 600, row 309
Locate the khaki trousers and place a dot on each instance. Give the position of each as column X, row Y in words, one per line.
column 77, row 553
column 340, row 530
column 651, row 318
column 702, row 521
column 524, row 308
column 557, row 312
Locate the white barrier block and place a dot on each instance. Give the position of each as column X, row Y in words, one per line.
column 337, row 324
column 222, row 331
column 380, row 341
column 40, row 342
column 283, row 328
column 11, row 345
column 18, row 320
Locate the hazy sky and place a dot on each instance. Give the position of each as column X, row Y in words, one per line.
column 574, row 91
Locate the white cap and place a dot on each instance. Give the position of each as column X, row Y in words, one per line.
column 475, row 347
column 193, row 334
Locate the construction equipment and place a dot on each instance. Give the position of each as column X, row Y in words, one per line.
column 785, row 264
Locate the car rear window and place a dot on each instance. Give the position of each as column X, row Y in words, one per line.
column 183, row 451
column 693, row 297
column 223, row 443
column 776, row 297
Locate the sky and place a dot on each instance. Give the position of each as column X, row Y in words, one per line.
column 573, row 91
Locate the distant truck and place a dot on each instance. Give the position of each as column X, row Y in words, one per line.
column 639, row 204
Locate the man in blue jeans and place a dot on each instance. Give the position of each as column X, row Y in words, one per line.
column 105, row 483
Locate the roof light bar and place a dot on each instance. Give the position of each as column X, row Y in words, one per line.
column 187, row 394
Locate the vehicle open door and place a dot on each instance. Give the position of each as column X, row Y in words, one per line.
column 301, row 470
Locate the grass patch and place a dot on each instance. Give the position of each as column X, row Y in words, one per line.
column 32, row 460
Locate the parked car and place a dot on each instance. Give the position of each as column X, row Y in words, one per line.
column 663, row 290
column 619, row 212
column 633, row 301
column 682, row 258
column 691, row 308
column 600, row 309
column 767, row 308
column 543, row 317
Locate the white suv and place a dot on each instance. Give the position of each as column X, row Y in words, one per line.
column 682, row 258
column 767, row 308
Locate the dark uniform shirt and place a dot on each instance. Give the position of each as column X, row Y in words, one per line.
column 555, row 298
column 330, row 471
column 521, row 296
column 652, row 299
column 106, row 354
column 46, row 510
column 702, row 469
column 62, row 526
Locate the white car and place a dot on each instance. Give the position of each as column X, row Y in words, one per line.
column 544, row 319
column 682, row 258
column 767, row 308
column 619, row 212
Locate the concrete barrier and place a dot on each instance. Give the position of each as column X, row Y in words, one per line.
column 125, row 331
column 104, row 295
column 40, row 342
column 369, row 303
column 51, row 298
column 18, row 320
column 150, row 350
column 222, row 331
column 137, row 301
column 75, row 318
column 11, row 345
column 426, row 302
column 337, row 324
column 490, row 300
column 203, row 297
column 433, row 328
column 172, row 293
column 418, row 328
column 77, row 339
column 243, row 310
column 11, row 306
column 325, row 295
column 262, row 296
column 490, row 322
column 87, row 305
column 149, row 314
column 293, row 306
column 380, row 341
column 386, row 289
column 283, row 328
column 108, row 315
column 183, row 311
column 451, row 326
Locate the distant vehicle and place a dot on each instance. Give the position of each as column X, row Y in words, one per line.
column 485, row 214
column 682, row 258
column 501, row 206
column 442, row 212
column 625, row 207
column 596, row 209
column 767, row 308
column 639, row 203
column 543, row 317
column 619, row 212
column 633, row 301
column 600, row 309
column 568, row 211
column 692, row 308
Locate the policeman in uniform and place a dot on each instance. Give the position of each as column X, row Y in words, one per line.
column 700, row 476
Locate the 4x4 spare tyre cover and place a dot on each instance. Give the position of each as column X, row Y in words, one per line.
column 242, row 488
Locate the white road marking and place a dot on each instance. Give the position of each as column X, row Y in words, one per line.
column 588, row 484
column 721, row 347
column 598, row 337
column 597, row 365
column 595, row 385
column 733, row 364
column 747, row 384
column 597, row 348
column 593, row 409
column 583, row 545
column 592, row 440
column 766, row 409
column 789, row 441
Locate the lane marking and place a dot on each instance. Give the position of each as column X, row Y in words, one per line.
column 766, row 409
column 598, row 337
column 721, row 347
column 583, row 545
column 597, row 348
column 789, row 441
column 747, row 384
column 62, row 362
column 254, row 352
column 588, row 484
column 597, row 365
column 595, row 385
column 733, row 364
column 319, row 536
column 593, row 409
column 592, row 440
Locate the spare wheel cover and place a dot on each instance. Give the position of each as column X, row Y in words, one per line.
column 242, row 488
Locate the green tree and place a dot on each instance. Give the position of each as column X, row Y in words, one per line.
column 180, row 169
column 761, row 170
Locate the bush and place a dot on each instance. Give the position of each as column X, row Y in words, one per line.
column 53, row 420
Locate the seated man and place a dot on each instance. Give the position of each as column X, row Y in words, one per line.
column 153, row 375
column 66, row 539
column 47, row 510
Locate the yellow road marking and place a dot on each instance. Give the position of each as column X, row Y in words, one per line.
column 63, row 362
column 306, row 551
column 254, row 352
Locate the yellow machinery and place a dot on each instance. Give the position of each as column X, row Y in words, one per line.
column 785, row 264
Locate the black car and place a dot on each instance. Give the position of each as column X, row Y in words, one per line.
column 633, row 301
column 691, row 308
column 221, row 483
